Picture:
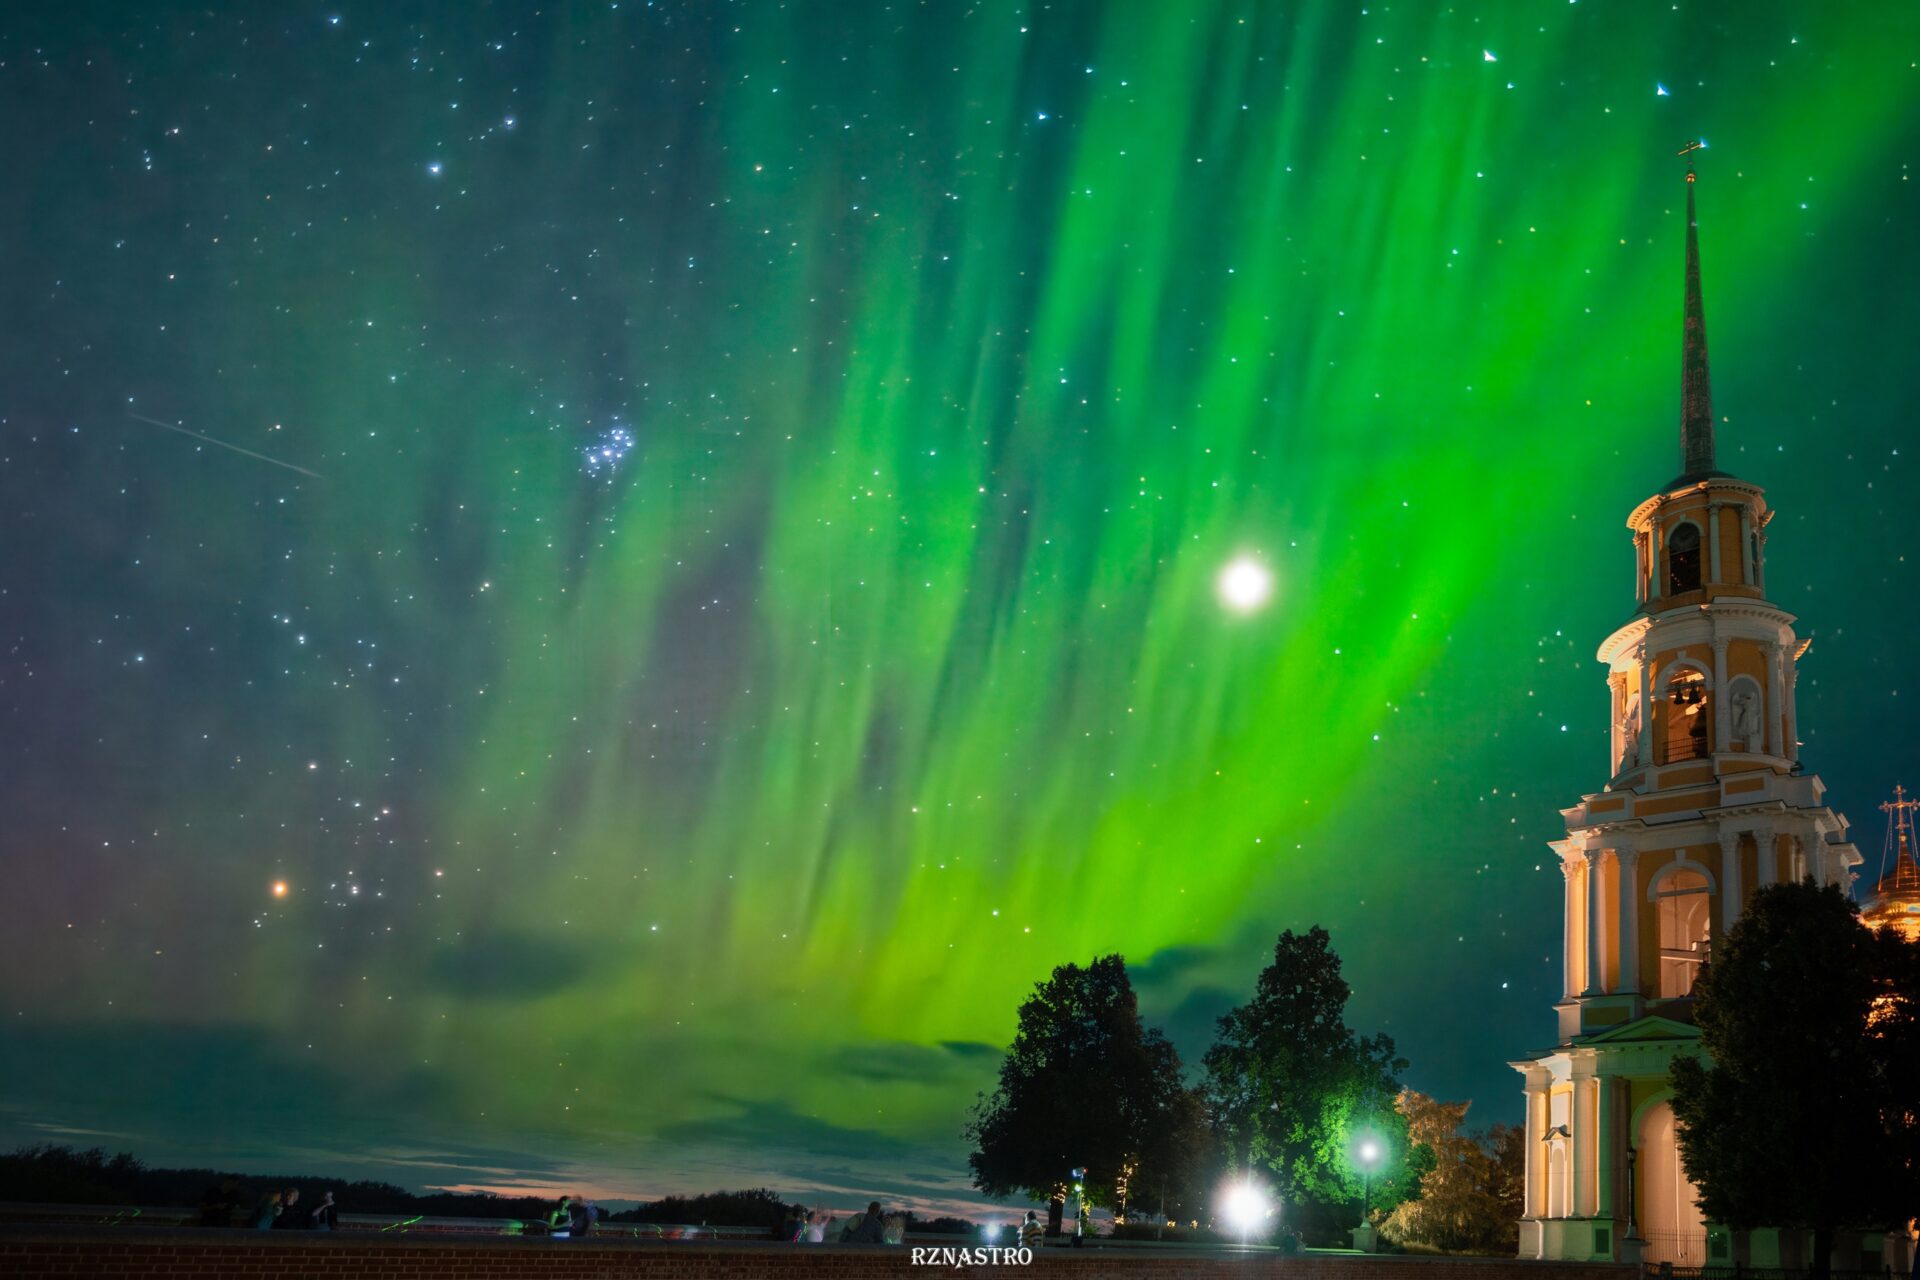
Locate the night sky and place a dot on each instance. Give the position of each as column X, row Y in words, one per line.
column 713, row 591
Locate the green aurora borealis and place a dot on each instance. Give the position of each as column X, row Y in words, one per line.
column 704, row 820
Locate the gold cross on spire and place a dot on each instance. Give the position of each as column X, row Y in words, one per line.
column 1698, row 144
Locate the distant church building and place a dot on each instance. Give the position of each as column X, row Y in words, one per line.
column 1708, row 801
column 1895, row 901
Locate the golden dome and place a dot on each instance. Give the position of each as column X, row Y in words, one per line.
column 1895, row 901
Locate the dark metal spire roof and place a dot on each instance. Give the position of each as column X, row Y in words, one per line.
column 1696, row 393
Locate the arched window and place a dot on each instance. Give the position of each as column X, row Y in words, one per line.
column 1687, row 734
column 1683, row 558
column 1558, row 1135
column 1559, row 1186
column 1686, row 909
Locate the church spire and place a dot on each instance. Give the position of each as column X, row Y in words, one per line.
column 1696, row 394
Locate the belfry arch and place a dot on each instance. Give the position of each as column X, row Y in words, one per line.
column 1686, row 714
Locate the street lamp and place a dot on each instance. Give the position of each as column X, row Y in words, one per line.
column 1246, row 1207
column 1368, row 1153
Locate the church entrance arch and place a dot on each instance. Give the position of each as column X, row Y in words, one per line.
column 1670, row 1220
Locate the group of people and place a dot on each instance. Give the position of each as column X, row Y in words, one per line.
column 277, row 1209
column 280, row 1209
column 574, row 1218
column 818, row 1227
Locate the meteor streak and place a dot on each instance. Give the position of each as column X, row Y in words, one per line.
column 140, row 417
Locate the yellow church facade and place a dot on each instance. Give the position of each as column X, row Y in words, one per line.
column 1706, row 800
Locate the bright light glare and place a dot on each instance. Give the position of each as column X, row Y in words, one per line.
column 1245, row 584
column 279, row 888
column 1369, row 1151
column 1246, row 1206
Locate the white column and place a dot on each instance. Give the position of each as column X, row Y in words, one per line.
column 1791, row 707
column 1646, row 705
column 1746, row 543
column 1596, row 927
column 1617, row 709
column 1531, row 1202
column 1579, row 1139
column 1801, row 854
column 1713, row 542
column 1656, row 581
column 1722, row 714
column 1766, row 860
column 1606, row 1166
column 1569, row 922
column 1776, row 698
column 1624, row 860
column 1729, row 878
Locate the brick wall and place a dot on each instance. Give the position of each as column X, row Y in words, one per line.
column 135, row 1253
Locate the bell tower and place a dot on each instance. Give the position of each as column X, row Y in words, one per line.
column 1706, row 800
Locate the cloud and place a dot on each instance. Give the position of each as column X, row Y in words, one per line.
column 231, row 1095
column 236, row 1099
column 900, row 1062
column 1170, row 964
column 1192, row 1023
column 773, row 1124
column 507, row 966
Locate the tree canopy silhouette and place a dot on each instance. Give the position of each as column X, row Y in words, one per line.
column 1802, row 1110
column 1086, row 1085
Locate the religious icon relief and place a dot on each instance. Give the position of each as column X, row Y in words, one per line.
column 1629, row 730
column 1746, row 719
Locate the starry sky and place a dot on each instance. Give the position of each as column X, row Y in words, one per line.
column 694, row 581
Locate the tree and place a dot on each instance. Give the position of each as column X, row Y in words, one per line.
column 1463, row 1204
column 1796, row 1116
column 1181, row 1163
column 1506, row 1147
column 1895, row 1025
column 755, row 1207
column 1084, row 1085
column 1293, row 1087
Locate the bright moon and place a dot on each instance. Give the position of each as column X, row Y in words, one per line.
column 1245, row 584
column 279, row 888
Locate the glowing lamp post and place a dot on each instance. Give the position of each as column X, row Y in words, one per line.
column 1368, row 1153
column 1246, row 1208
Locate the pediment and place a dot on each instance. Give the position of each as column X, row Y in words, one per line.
column 1651, row 1027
